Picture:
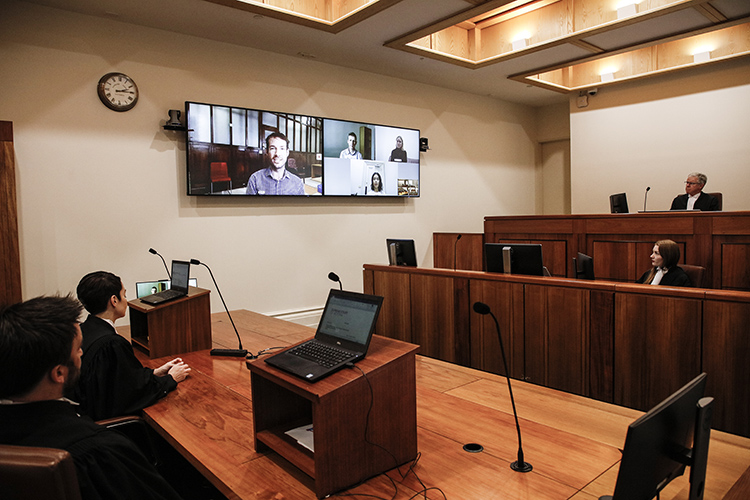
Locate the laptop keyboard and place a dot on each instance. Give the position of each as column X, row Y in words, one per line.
column 168, row 294
column 322, row 354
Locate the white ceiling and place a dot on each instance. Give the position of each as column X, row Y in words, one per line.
column 360, row 46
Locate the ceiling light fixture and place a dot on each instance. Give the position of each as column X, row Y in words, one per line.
column 627, row 9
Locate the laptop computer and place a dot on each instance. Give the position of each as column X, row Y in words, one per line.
column 143, row 288
column 178, row 288
column 345, row 329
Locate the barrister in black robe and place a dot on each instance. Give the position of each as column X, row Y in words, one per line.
column 113, row 382
column 40, row 358
column 109, row 466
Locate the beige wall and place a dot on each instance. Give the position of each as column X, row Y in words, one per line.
column 97, row 188
column 655, row 132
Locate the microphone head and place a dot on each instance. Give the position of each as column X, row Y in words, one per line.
column 195, row 262
column 481, row 308
column 459, row 237
column 333, row 277
column 151, row 250
column 648, row 189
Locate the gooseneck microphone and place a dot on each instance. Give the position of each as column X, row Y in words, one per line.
column 520, row 465
column 240, row 352
column 151, row 250
column 335, row 278
column 645, row 197
column 455, row 246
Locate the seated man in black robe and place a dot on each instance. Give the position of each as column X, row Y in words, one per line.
column 40, row 356
column 113, row 382
column 694, row 197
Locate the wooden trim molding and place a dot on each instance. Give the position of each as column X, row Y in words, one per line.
column 10, row 277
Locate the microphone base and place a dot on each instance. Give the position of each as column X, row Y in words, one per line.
column 521, row 467
column 236, row 353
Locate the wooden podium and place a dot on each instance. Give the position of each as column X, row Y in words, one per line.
column 349, row 448
column 175, row 327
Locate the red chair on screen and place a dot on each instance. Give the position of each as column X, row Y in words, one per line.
column 220, row 173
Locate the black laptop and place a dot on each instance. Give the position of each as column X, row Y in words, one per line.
column 179, row 287
column 343, row 336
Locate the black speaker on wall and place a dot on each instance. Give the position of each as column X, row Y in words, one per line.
column 424, row 144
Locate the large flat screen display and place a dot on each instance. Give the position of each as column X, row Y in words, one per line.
column 240, row 151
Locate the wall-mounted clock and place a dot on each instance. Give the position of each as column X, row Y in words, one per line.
column 117, row 91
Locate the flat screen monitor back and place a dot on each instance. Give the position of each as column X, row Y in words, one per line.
column 618, row 203
column 401, row 252
column 525, row 258
column 656, row 443
column 584, row 266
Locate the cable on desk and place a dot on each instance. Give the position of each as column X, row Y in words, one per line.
column 413, row 464
column 262, row 352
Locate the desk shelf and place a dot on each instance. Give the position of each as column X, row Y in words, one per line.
column 288, row 448
column 338, row 407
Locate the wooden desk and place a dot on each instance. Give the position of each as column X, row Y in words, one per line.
column 180, row 325
column 571, row 441
column 355, row 420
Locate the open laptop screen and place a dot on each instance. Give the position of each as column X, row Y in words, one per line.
column 349, row 317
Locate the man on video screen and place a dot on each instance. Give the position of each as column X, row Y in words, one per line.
column 275, row 179
column 351, row 152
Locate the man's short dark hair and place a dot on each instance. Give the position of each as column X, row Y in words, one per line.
column 276, row 135
column 95, row 289
column 35, row 336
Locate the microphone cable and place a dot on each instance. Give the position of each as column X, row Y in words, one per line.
column 397, row 466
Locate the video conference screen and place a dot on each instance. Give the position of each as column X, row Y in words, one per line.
column 240, row 151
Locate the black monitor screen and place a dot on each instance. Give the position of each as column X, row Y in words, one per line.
column 618, row 203
column 523, row 258
column 401, row 252
column 657, row 442
column 584, row 266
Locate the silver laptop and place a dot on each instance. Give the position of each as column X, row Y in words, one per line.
column 343, row 337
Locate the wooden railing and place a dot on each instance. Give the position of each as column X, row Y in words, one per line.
column 627, row 344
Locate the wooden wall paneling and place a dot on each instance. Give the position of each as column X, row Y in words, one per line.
column 734, row 269
column 394, row 320
column 614, row 260
column 10, row 259
column 557, row 337
column 558, row 235
column 601, row 345
column 462, row 314
column 506, row 302
column 726, row 344
column 657, row 345
column 433, row 316
column 698, row 248
column 469, row 251
column 643, row 342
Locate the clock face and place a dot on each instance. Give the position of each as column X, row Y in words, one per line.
column 117, row 91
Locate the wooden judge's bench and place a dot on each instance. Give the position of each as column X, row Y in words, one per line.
column 620, row 244
column 608, row 339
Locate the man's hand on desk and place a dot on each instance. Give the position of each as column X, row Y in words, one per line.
column 177, row 368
